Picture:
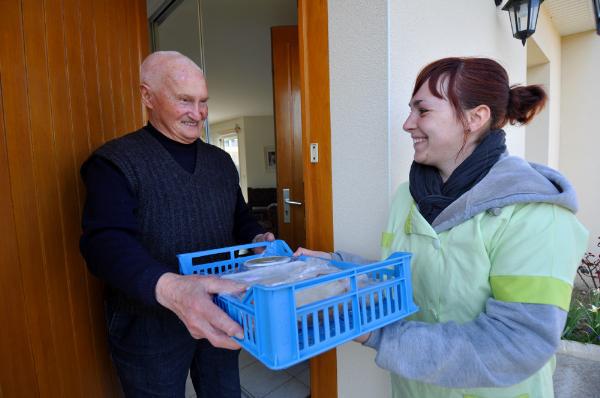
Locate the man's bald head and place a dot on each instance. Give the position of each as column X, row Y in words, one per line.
column 162, row 65
column 174, row 92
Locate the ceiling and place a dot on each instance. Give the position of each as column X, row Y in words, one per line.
column 237, row 47
column 570, row 16
column 152, row 5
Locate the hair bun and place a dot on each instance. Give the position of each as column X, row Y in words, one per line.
column 524, row 102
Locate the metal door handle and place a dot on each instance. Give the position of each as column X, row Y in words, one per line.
column 292, row 202
column 286, row 205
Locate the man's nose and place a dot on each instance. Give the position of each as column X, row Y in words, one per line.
column 200, row 111
column 203, row 110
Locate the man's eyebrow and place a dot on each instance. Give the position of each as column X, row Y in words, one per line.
column 184, row 95
column 415, row 102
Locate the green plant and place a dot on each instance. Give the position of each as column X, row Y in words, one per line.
column 583, row 320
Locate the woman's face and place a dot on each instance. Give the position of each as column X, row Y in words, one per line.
column 437, row 133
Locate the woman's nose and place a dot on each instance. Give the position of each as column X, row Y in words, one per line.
column 409, row 123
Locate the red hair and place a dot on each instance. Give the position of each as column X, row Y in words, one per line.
column 482, row 81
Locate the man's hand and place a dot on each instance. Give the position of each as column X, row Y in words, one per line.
column 190, row 298
column 266, row 237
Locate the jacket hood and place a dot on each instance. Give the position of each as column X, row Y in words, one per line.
column 510, row 181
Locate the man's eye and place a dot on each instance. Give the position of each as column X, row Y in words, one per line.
column 184, row 100
column 423, row 111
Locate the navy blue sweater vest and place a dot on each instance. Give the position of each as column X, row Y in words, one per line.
column 177, row 211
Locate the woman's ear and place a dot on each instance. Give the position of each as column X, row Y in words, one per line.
column 146, row 96
column 478, row 118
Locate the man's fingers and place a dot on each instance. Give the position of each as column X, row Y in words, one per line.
column 220, row 321
column 218, row 285
column 216, row 319
column 223, row 341
column 266, row 237
column 221, row 330
column 217, row 338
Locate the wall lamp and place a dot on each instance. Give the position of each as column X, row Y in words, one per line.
column 596, row 6
column 523, row 16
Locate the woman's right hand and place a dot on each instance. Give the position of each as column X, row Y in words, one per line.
column 312, row 253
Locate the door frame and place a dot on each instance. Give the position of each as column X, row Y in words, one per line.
column 316, row 128
column 313, row 41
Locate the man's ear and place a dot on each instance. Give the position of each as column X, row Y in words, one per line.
column 478, row 118
column 146, row 96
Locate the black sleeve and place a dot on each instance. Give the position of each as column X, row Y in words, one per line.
column 246, row 227
column 109, row 242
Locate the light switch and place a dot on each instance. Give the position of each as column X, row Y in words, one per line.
column 314, row 152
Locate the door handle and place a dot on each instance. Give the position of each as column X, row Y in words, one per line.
column 286, row 205
column 292, row 202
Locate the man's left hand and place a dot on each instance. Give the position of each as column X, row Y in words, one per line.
column 266, row 237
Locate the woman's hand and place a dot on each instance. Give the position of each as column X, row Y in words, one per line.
column 363, row 338
column 327, row 256
column 312, row 253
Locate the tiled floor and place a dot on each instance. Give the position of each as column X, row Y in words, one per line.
column 258, row 381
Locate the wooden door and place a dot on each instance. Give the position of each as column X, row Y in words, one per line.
column 288, row 135
column 68, row 82
column 316, row 128
column 306, row 76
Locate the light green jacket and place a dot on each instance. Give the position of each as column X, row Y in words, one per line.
column 524, row 252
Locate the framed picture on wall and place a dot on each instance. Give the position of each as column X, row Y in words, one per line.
column 270, row 158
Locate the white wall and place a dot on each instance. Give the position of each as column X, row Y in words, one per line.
column 537, row 132
column 358, row 63
column 580, row 131
column 456, row 28
column 260, row 133
column 547, row 38
column 377, row 47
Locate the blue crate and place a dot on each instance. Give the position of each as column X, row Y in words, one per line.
column 279, row 333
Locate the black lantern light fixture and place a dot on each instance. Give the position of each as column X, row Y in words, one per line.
column 523, row 16
column 596, row 5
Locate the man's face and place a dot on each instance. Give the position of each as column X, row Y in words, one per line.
column 178, row 104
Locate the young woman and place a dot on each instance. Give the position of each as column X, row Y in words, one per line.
column 494, row 239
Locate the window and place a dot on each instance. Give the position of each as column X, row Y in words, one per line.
column 229, row 143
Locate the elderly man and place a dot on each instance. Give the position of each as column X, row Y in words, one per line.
column 152, row 194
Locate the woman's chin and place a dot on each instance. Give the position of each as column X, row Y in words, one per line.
column 420, row 159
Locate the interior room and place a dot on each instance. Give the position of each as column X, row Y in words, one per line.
column 231, row 41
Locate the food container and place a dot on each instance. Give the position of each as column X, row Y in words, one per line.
column 279, row 331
